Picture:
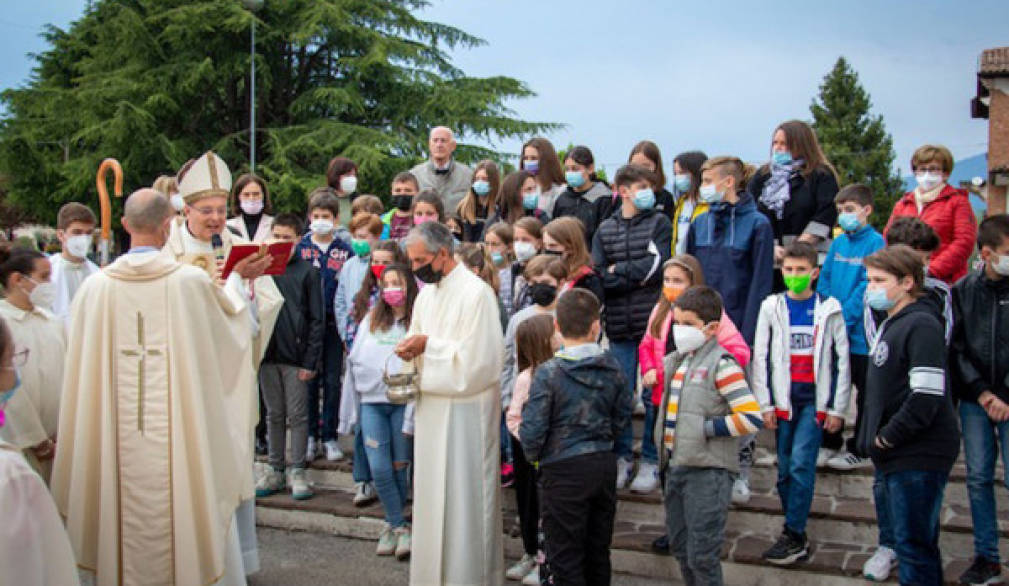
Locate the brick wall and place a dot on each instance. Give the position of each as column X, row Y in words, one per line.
column 998, row 147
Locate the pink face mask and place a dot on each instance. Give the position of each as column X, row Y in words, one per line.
column 418, row 220
column 394, row 296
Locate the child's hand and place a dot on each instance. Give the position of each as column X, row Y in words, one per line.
column 305, row 375
column 833, row 424
column 650, row 378
column 770, row 420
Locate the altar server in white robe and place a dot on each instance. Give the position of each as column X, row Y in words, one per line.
column 148, row 474
column 455, row 337
column 75, row 224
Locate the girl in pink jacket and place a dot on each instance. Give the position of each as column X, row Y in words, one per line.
column 679, row 273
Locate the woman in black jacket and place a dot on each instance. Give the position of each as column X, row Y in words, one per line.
column 646, row 154
column 588, row 198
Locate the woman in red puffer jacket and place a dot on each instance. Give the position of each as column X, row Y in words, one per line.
column 943, row 207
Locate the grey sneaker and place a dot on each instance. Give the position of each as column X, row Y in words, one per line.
column 270, row 483
column 386, row 542
column 364, row 494
column 403, row 540
column 300, row 489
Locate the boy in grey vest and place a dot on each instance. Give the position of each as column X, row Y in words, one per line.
column 706, row 406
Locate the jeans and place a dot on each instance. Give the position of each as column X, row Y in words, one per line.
column 697, row 506
column 881, row 498
column 798, row 442
column 626, row 353
column 915, row 499
column 284, row 395
column 328, row 379
column 579, row 503
column 980, row 451
column 386, row 446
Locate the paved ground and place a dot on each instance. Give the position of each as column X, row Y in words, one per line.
column 308, row 559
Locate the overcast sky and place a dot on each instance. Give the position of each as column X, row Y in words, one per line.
column 715, row 75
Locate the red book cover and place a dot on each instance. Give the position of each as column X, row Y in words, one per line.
column 280, row 251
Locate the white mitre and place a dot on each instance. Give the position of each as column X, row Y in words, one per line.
column 208, row 176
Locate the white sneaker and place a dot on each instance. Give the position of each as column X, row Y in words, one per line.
column 521, row 568
column 647, row 478
column 878, row 567
column 310, row 450
column 533, row 577
column 364, row 494
column 269, row 483
column 823, row 456
column 403, row 542
column 740, row 492
column 844, row 460
column 386, row 542
column 333, row 452
column 623, row 472
column 300, row 489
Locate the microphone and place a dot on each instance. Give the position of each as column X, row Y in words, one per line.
column 218, row 245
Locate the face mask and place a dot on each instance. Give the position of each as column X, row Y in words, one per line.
column 251, row 207
column 79, row 246
column 394, row 296
column 687, row 338
column 681, row 182
column 849, row 221
column 644, row 199
column 524, row 251
column 671, row 293
column 877, row 299
column 348, row 184
column 321, row 227
column 360, row 247
column 402, row 202
column 531, row 166
column 177, row 202
column 542, row 294
column 530, row 200
column 710, row 195
column 427, row 274
column 497, row 258
column 42, row 295
column 928, row 181
column 1001, row 266
column 481, row 187
column 797, row 283
column 781, row 157
column 6, row 395
column 377, row 270
column 574, row 178
column 418, row 220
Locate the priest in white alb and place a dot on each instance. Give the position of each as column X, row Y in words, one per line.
column 148, row 472
column 455, row 338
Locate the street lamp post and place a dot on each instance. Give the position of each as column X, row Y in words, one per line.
column 252, row 5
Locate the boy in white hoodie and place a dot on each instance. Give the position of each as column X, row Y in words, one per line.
column 801, row 345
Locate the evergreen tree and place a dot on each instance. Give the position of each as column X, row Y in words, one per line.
column 154, row 83
column 855, row 141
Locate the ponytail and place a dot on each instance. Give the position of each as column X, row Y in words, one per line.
column 16, row 260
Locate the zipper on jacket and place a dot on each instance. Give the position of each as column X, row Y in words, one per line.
column 994, row 322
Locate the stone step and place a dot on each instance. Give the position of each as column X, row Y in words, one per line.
column 831, row 563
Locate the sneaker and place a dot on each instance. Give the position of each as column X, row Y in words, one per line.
column 300, row 489
column 364, row 494
column 310, row 450
column 788, row 549
column 845, row 460
column 521, row 567
column 878, row 567
column 507, row 476
column 661, row 545
column 402, row 542
column 623, row 472
column 982, row 571
column 386, row 542
column 823, row 456
column 333, row 452
column 647, row 478
column 740, row 492
column 270, row 483
column 533, row 577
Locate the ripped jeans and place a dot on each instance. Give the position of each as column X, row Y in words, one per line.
column 388, row 451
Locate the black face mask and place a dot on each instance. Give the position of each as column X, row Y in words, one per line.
column 542, row 294
column 552, row 252
column 427, row 274
column 402, row 202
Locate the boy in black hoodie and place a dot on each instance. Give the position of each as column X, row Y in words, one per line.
column 909, row 429
column 578, row 404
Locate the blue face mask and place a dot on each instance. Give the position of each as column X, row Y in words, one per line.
column 877, row 299
column 531, row 166
column 530, row 200
column 481, row 187
column 6, row 395
column 497, row 258
column 682, row 182
column 644, row 199
column 710, row 195
column 781, row 157
column 574, row 178
column 849, row 221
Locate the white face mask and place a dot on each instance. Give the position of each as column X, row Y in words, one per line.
column 928, row 181
column 42, row 295
column 348, row 184
column 78, row 246
column 321, row 227
column 1002, row 265
column 687, row 338
column 177, row 202
column 709, row 194
column 252, row 206
column 524, row 251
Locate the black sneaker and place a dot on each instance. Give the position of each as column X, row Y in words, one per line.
column 661, row 545
column 790, row 548
column 982, row 571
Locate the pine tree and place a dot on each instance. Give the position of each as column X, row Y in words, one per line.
column 156, row 82
column 855, row 141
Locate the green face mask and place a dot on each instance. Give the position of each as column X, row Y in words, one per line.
column 360, row 247
column 797, row 283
